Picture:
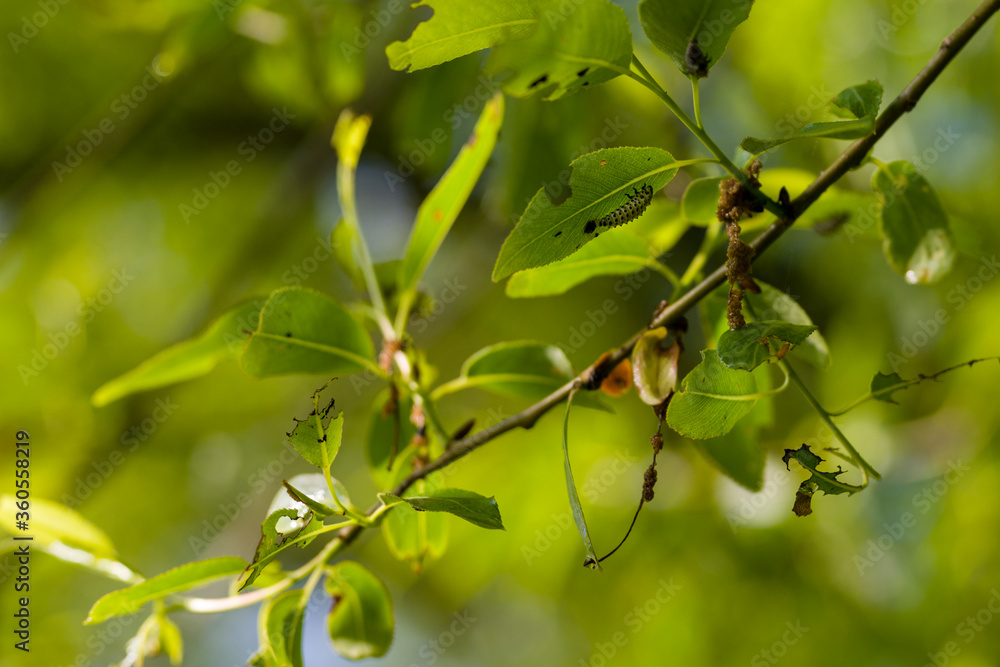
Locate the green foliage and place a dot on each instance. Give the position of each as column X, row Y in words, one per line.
column 575, row 44
column 672, row 25
column 574, row 497
column 654, row 369
column 52, row 522
column 302, row 331
column 279, row 627
column 273, row 541
column 361, row 622
column 317, row 438
column 917, row 238
column 458, row 29
column 772, row 303
column 861, row 101
column 185, row 577
column 712, row 398
column 616, row 252
column 701, row 199
column 223, row 339
column 441, row 207
column 738, row 456
column 522, row 369
column 600, row 183
column 751, row 346
column 473, row 507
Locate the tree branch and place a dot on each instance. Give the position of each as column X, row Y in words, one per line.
column 849, row 159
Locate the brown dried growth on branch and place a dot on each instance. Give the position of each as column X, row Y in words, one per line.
column 735, row 202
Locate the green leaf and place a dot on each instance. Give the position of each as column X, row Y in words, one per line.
column 412, row 536
column 671, row 25
column 701, row 200
column 190, row 359
column 441, row 208
column 917, row 239
column 837, row 129
column 171, row 642
column 302, row 331
column 360, row 623
column 773, row 304
column 712, row 398
column 474, row 508
column 859, row 101
column 304, row 493
column 738, row 456
column 750, row 346
column 654, row 369
column 522, row 369
column 457, row 29
column 600, row 183
column 824, row 481
column 185, row 577
column 279, row 626
column 618, row 252
column 882, row 382
column 574, row 498
column 342, row 241
column 574, row 45
column 52, row 522
column 320, row 509
column 273, row 541
column 317, row 438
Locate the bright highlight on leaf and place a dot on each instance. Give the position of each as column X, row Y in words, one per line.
column 917, row 239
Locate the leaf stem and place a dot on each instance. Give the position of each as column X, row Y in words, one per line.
column 856, row 458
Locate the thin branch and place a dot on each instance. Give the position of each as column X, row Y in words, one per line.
column 850, row 158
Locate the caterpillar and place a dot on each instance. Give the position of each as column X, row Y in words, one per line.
column 627, row 212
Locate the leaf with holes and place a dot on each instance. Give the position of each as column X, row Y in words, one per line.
column 749, row 347
column 601, row 182
column 773, row 304
column 574, row 45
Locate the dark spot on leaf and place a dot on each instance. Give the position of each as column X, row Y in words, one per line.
column 590, row 227
column 288, row 334
column 583, row 71
column 557, row 234
column 539, row 81
column 585, row 83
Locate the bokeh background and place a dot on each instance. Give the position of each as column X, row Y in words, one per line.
column 162, row 95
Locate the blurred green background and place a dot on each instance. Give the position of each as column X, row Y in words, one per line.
column 102, row 266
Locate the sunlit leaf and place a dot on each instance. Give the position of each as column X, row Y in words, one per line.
column 457, row 29
column 185, row 577
column 701, row 200
column 412, row 536
column 279, row 627
column 441, row 207
column 190, row 359
column 712, row 398
column 361, row 622
column 273, row 541
column 654, row 368
column 51, row 522
column 317, row 437
column 601, row 182
column 302, row 331
column 574, row 497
